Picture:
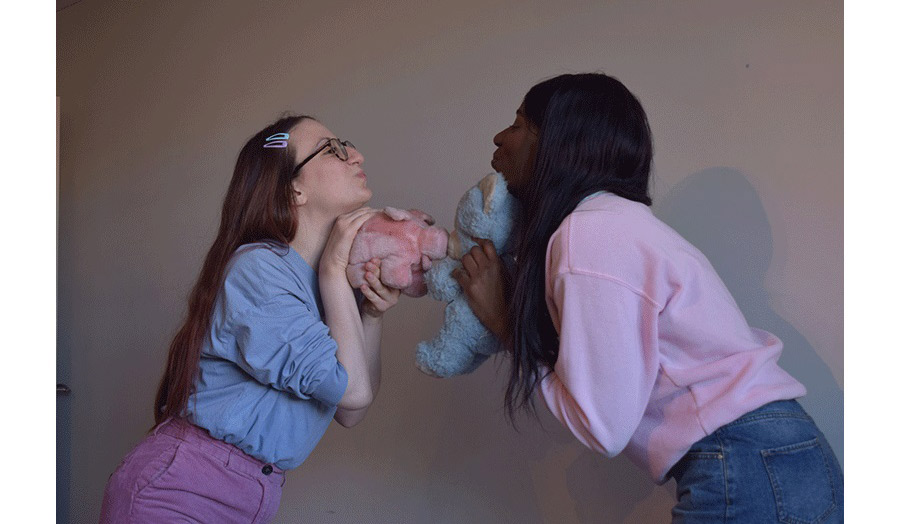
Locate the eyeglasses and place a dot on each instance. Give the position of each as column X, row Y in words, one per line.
column 337, row 146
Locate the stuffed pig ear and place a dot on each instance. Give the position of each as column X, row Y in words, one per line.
column 398, row 214
column 428, row 219
column 487, row 186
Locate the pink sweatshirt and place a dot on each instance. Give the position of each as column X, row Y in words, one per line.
column 654, row 353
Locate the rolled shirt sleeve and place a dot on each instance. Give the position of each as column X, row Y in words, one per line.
column 283, row 345
column 279, row 336
column 608, row 358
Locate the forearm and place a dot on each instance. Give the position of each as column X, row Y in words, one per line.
column 372, row 328
column 497, row 323
column 372, row 352
column 345, row 324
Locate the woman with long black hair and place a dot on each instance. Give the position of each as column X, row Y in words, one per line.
column 626, row 329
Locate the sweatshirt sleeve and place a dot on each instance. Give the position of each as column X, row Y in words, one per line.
column 608, row 359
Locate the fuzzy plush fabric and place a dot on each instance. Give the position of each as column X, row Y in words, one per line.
column 487, row 211
column 406, row 241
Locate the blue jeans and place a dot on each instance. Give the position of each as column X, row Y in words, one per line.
column 771, row 465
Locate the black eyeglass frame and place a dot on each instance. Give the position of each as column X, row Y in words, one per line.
column 338, row 147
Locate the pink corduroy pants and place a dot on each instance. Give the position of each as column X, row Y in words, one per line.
column 179, row 473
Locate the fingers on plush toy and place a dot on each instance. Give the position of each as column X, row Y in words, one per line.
column 406, row 242
column 486, row 211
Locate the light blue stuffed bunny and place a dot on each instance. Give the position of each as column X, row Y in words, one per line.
column 487, row 211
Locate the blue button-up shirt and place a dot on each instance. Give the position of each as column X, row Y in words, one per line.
column 269, row 381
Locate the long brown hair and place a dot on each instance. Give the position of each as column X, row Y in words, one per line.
column 258, row 206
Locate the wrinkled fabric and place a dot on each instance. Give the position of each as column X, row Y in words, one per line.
column 269, row 380
column 654, row 353
column 771, row 465
column 180, row 474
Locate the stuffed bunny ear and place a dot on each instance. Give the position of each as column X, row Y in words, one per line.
column 398, row 214
column 487, row 186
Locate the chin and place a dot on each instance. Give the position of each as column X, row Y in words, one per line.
column 364, row 200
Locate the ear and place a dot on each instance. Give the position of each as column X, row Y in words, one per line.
column 428, row 219
column 300, row 196
column 454, row 246
column 487, row 185
column 398, row 214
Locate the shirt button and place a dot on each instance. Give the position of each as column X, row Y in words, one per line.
column 267, row 469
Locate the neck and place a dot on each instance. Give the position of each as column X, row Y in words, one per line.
column 312, row 235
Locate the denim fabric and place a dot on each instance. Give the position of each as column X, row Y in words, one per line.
column 771, row 465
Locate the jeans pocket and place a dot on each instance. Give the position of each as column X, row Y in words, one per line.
column 700, row 486
column 802, row 482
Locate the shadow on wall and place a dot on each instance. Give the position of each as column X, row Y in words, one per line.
column 536, row 474
column 615, row 491
column 720, row 212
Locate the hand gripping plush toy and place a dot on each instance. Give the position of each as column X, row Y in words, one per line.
column 486, row 211
column 405, row 241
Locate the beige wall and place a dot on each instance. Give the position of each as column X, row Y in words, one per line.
column 745, row 100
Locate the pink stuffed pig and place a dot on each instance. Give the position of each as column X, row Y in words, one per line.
column 406, row 241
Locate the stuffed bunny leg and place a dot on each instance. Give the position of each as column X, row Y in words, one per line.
column 460, row 347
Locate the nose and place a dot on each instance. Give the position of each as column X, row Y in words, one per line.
column 354, row 156
column 498, row 138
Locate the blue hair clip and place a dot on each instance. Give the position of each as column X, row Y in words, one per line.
column 278, row 140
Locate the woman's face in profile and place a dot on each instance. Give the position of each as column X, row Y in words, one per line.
column 516, row 148
column 325, row 181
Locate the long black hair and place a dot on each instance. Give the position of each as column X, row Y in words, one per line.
column 593, row 135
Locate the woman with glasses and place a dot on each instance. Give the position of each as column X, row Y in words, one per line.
column 275, row 345
column 626, row 330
